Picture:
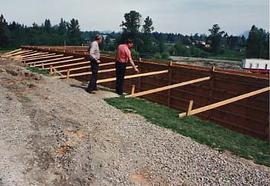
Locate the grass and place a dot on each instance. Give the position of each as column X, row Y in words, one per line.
column 38, row 70
column 201, row 131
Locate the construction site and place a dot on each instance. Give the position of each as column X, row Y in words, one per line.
column 75, row 127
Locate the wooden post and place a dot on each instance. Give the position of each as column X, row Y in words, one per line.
column 51, row 69
column 68, row 73
column 169, row 82
column 133, row 89
column 139, row 79
column 189, row 107
column 210, row 95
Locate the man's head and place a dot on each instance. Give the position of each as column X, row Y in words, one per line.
column 130, row 43
column 98, row 38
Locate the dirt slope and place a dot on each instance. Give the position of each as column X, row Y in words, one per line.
column 54, row 133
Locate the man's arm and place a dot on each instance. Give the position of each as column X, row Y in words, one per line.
column 133, row 64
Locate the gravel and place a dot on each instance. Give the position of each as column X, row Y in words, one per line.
column 55, row 133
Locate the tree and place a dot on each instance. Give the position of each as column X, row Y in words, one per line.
column 257, row 43
column 148, row 25
column 4, row 32
column 47, row 25
column 131, row 25
column 215, row 38
column 62, row 28
column 74, row 33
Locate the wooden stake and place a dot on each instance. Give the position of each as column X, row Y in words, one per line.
column 225, row 102
column 160, row 89
column 190, row 107
column 68, row 74
column 51, row 69
column 133, row 89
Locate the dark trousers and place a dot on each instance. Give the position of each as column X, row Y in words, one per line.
column 120, row 76
column 93, row 81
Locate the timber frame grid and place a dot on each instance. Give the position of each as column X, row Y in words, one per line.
column 65, row 64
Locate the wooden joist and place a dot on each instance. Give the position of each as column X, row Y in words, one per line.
column 88, row 73
column 221, row 103
column 160, row 89
column 42, row 57
column 69, row 65
column 35, row 55
column 55, row 58
column 18, row 53
column 80, row 63
column 26, row 53
column 86, row 67
column 11, row 52
column 134, row 76
column 58, row 62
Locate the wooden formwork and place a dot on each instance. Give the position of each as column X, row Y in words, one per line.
column 205, row 86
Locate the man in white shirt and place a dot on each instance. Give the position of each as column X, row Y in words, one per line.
column 94, row 61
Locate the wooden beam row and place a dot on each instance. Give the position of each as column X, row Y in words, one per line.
column 58, row 62
column 56, row 58
column 44, row 56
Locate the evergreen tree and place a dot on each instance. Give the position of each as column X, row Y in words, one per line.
column 47, row 25
column 74, row 33
column 148, row 25
column 4, row 32
column 215, row 38
column 257, row 43
column 62, row 28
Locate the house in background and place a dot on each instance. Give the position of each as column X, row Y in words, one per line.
column 257, row 65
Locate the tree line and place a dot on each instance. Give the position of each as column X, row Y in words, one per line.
column 148, row 43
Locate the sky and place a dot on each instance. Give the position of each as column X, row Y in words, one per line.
column 174, row 16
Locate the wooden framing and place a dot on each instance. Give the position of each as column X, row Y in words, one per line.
column 58, row 62
column 221, row 103
column 35, row 54
column 70, row 65
column 27, row 53
column 56, row 58
column 40, row 57
column 134, row 76
column 18, row 53
column 88, row 73
column 82, row 63
column 160, row 89
column 11, row 52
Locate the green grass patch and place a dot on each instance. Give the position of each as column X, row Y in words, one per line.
column 204, row 132
column 38, row 70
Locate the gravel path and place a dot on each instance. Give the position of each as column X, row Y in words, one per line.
column 54, row 133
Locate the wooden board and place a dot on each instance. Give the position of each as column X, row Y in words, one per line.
column 58, row 62
column 28, row 60
column 55, row 58
column 225, row 102
column 134, row 76
column 160, row 89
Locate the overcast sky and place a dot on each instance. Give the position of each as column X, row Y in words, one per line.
column 178, row 16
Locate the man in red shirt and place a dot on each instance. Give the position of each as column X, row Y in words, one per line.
column 123, row 56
